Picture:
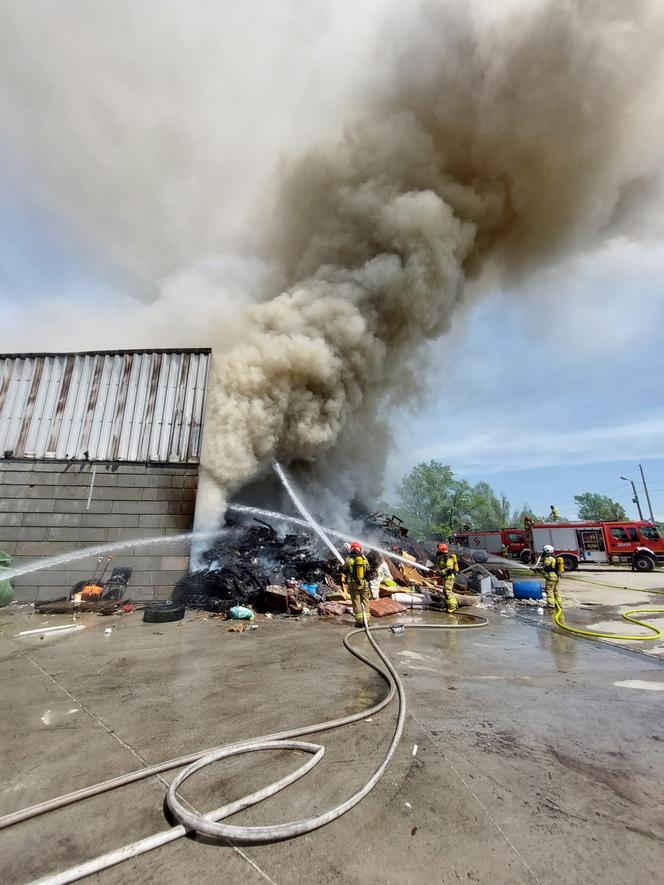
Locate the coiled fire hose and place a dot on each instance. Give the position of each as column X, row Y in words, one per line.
column 210, row 823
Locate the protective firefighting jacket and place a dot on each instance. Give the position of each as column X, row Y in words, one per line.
column 553, row 565
column 356, row 569
column 445, row 564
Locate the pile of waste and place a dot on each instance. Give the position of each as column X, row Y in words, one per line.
column 247, row 565
column 255, row 568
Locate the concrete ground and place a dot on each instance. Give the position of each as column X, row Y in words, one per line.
column 528, row 755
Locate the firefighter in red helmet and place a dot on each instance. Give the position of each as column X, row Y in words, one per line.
column 356, row 570
column 446, row 569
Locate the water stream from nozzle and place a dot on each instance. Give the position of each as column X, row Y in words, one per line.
column 274, row 514
column 295, row 498
column 102, row 549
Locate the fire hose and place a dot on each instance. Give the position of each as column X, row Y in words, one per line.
column 655, row 632
column 209, row 823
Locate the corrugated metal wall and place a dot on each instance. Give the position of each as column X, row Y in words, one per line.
column 125, row 406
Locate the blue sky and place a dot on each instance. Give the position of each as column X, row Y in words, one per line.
column 554, row 388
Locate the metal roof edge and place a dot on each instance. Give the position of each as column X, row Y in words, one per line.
column 38, row 354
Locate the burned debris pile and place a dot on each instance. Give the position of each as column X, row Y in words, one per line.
column 247, row 563
column 254, row 567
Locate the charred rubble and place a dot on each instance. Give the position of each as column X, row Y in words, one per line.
column 246, row 560
column 255, row 565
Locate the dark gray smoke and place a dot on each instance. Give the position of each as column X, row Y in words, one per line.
column 496, row 144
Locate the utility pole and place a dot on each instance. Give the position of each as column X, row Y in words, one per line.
column 652, row 516
column 635, row 499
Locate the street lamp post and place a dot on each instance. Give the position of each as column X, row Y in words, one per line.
column 635, row 499
column 645, row 488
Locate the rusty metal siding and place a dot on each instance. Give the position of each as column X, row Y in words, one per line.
column 127, row 406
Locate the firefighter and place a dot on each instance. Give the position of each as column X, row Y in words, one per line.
column 505, row 551
column 355, row 569
column 447, row 568
column 554, row 516
column 553, row 567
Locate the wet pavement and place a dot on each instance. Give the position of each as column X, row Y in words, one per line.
column 528, row 755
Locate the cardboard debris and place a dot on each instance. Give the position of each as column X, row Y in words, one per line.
column 397, row 574
column 412, row 576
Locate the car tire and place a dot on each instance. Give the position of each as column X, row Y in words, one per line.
column 524, row 556
column 643, row 563
column 163, row 613
column 571, row 563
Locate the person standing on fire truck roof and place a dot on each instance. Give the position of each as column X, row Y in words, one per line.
column 355, row 569
column 554, row 516
column 553, row 567
column 447, row 568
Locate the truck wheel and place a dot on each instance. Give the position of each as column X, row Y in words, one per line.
column 525, row 556
column 643, row 563
column 571, row 563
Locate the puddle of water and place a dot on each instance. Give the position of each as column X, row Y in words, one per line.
column 55, row 717
column 640, row 683
column 415, row 655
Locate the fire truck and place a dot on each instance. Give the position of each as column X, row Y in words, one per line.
column 516, row 541
column 637, row 543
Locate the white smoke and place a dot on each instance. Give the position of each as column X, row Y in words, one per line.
column 476, row 142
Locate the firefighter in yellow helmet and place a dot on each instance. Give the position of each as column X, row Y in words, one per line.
column 553, row 567
column 447, row 568
column 356, row 570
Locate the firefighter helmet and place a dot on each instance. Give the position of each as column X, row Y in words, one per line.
column 443, row 548
column 547, row 548
column 356, row 547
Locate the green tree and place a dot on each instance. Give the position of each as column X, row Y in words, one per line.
column 487, row 510
column 598, row 507
column 429, row 497
column 434, row 503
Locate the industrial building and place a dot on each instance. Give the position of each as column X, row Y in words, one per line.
column 99, row 448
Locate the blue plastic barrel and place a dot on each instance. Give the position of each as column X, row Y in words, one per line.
column 527, row 590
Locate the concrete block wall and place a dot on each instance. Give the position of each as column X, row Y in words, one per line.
column 44, row 512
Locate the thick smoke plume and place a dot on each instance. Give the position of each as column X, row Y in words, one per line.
column 494, row 147
column 310, row 187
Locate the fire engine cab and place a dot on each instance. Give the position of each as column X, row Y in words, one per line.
column 637, row 543
column 516, row 540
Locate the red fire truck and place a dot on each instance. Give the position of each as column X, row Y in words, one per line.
column 636, row 543
column 516, row 541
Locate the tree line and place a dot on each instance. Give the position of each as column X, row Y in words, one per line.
column 434, row 502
